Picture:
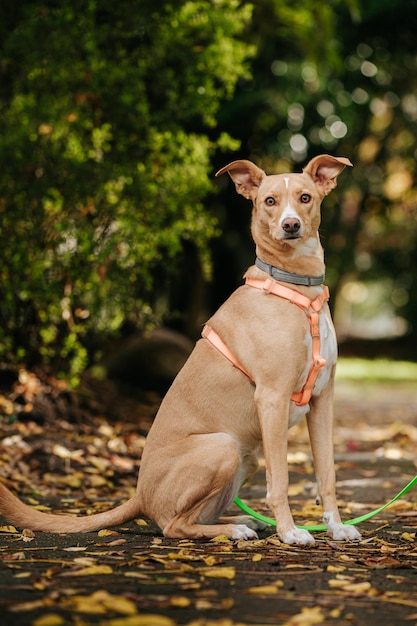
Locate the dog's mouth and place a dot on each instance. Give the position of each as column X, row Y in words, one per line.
column 291, row 237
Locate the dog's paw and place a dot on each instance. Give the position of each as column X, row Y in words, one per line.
column 297, row 537
column 241, row 531
column 341, row 532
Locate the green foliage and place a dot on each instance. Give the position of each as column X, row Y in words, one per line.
column 107, row 127
column 111, row 115
column 341, row 78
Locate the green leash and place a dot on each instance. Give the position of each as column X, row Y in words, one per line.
column 351, row 522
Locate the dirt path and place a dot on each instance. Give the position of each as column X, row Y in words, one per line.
column 135, row 577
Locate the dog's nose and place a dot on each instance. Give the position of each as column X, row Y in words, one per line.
column 291, row 225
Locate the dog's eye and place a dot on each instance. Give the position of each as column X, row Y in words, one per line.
column 270, row 201
column 305, row 197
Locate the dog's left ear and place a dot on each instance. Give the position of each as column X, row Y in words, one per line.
column 324, row 170
column 246, row 175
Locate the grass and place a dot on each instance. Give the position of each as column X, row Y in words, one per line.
column 376, row 370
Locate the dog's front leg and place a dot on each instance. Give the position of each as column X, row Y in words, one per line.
column 320, row 426
column 274, row 415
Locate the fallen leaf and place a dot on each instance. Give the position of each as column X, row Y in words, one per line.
column 218, row 572
column 221, row 539
column 51, row 619
column 8, row 529
column 265, row 589
column 307, row 617
column 94, row 570
column 179, row 601
column 75, row 549
column 346, row 585
column 99, row 603
column 335, row 568
column 140, row 620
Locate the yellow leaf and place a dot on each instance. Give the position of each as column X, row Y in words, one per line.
column 408, row 537
column 101, row 602
column 105, row 532
column 8, row 529
column 87, row 561
column 358, row 587
column 51, row 619
column 96, row 481
column 94, row 570
column 348, row 585
column 220, row 539
column 218, row 572
column 75, row 549
column 336, row 583
column 274, row 539
column 265, row 589
column 140, row 620
column 257, row 557
column 179, row 601
column 346, row 558
column 335, row 569
column 307, row 617
column 120, row 604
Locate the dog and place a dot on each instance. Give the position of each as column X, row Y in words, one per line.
column 266, row 359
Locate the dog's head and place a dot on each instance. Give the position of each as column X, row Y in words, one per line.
column 286, row 206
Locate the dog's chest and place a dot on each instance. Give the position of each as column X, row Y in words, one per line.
column 328, row 350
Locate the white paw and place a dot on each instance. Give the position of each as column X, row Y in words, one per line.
column 241, row 531
column 297, row 537
column 340, row 532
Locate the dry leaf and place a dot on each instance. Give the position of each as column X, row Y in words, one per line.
column 348, row 585
column 140, row 620
column 265, row 589
column 335, row 569
column 8, row 529
column 307, row 617
column 218, row 572
column 221, row 539
column 94, row 570
column 51, row 619
column 179, row 601
column 101, row 602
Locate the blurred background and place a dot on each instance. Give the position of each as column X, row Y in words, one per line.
column 114, row 117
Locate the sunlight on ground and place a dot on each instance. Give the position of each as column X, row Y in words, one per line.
column 376, row 370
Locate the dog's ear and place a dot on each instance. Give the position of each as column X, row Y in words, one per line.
column 246, row 176
column 325, row 169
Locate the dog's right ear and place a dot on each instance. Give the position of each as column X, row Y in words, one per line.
column 246, row 176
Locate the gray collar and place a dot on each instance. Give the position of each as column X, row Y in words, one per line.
column 287, row 277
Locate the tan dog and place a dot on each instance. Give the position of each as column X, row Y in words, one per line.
column 202, row 445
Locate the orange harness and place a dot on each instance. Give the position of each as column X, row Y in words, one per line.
column 312, row 309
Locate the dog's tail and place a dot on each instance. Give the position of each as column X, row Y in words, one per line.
column 25, row 516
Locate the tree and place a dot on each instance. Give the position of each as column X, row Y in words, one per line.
column 107, row 126
column 343, row 82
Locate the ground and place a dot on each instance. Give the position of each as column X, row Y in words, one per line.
column 80, row 452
